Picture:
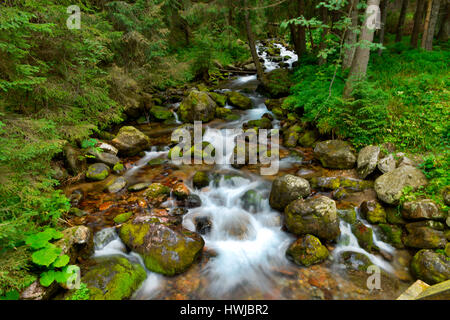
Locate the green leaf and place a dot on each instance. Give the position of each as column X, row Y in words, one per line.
column 41, row 239
column 46, row 256
column 11, row 295
column 47, row 278
column 61, row 261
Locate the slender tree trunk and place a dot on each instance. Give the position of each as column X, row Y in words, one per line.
column 301, row 34
column 251, row 43
column 401, row 21
column 323, row 44
column 351, row 36
column 358, row 69
column 418, row 18
column 430, row 24
column 444, row 31
column 424, row 14
column 384, row 4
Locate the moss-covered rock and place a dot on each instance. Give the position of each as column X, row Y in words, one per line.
column 364, row 234
column 335, row 154
column 277, row 84
column 308, row 138
column 123, row 217
column 97, row 172
column 156, row 190
column 307, row 251
column 263, row 123
column 430, row 266
column 291, row 136
column 393, row 216
column 373, row 211
column 348, row 215
column 165, row 249
column 274, row 103
column 279, row 113
column 160, row 113
column 251, row 201
column 197, row 106
column 116, row 184
column 355, row 260
column 130, row 141
column 113, row 278
column 239, row 100
column 223, row 113
column 316, row 216
column 286, row 189
column 425, row 235
column 422, row 209
column 392, row 234
column 200, row 179
column 220, row 99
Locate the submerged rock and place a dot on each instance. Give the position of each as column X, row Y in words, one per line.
column 130, row 141
column 335, row 154
column 192, row 201
column 307, row 251
column 286, row 189
column 113, row 278
column 97, row 172
column 165, row 249
column 389, row 186
column 316, row 216
column 251, row 201
column 430, row 266
column 203, row 225
column 197, row 106
column 367, row 160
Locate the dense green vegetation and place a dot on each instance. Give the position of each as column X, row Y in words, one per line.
column 60, row 86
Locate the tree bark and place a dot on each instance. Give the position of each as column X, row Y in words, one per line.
column 418, row 18
column 430, row 24
column 351, row 37
column 251, row 43
column 383, row 8
column 358, row 69
column 401, row 21
column 323, row 44
column 444, row 31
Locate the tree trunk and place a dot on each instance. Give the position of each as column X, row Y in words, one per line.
column 251, row 43
column 358, row 69
column 430, row 24
column 444, row 31
column 401, row 21
column 383, row 8
column 351, row 36
column 323, row 44
column 301, row 34
column 418, row 18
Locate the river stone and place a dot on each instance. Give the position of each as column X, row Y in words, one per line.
column 274, row 103
column 263, row 123
column 160, row 113
column 104, row 157
column 197, row 106
column 251, row 201
column 130, row 141
column 422, row 209
column 113, row 278
column 392, row 234
column 123, row 217
column 307, row 251
column 156, row 190
column 423, row 236
column 335, row 154
column 203, row 225
column 165, row 249
column 238, row 100
column 316, row 216
column 77, row 242
column 139, row 186
column 286, row 189
column 373, row 212
column 106, row 147
column 367, row 160
column 430, row 266
column 291, row 136
column 97, row 171
column 192, row 201
column 308, row 138
column 389, row 186
column 220, row 99
column 387, row 164
column 180, row 191
column 200, row 179
column 116, row 184
column 364, row 234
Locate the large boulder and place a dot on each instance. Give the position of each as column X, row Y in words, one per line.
column 422, row 209
column 238, row 100
column 373, row 212
column 387, row 164
column 286, row 189
column 277, row 84
column 425, row 235
column 197, row 106
column 104, row 157
column 389, row 186
column 335, row 154
column 307, row 251
column 316, row 216
column 165, row 249
column 113, row 278
column 367, row 160
column 430, row 266
column 77, row 242
column 130, row 141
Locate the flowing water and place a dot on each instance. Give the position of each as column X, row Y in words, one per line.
column 246, row 245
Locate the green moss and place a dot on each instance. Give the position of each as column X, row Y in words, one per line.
column 200, row 179
column 118, row 167
column 348, row 215
column 364, row 235
column 392, row 234
column 98, row 172
column 220, row 99
column 238, row 100
column 155, row 190
column 161, row 113
column 123, row 217
column 307, row 251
